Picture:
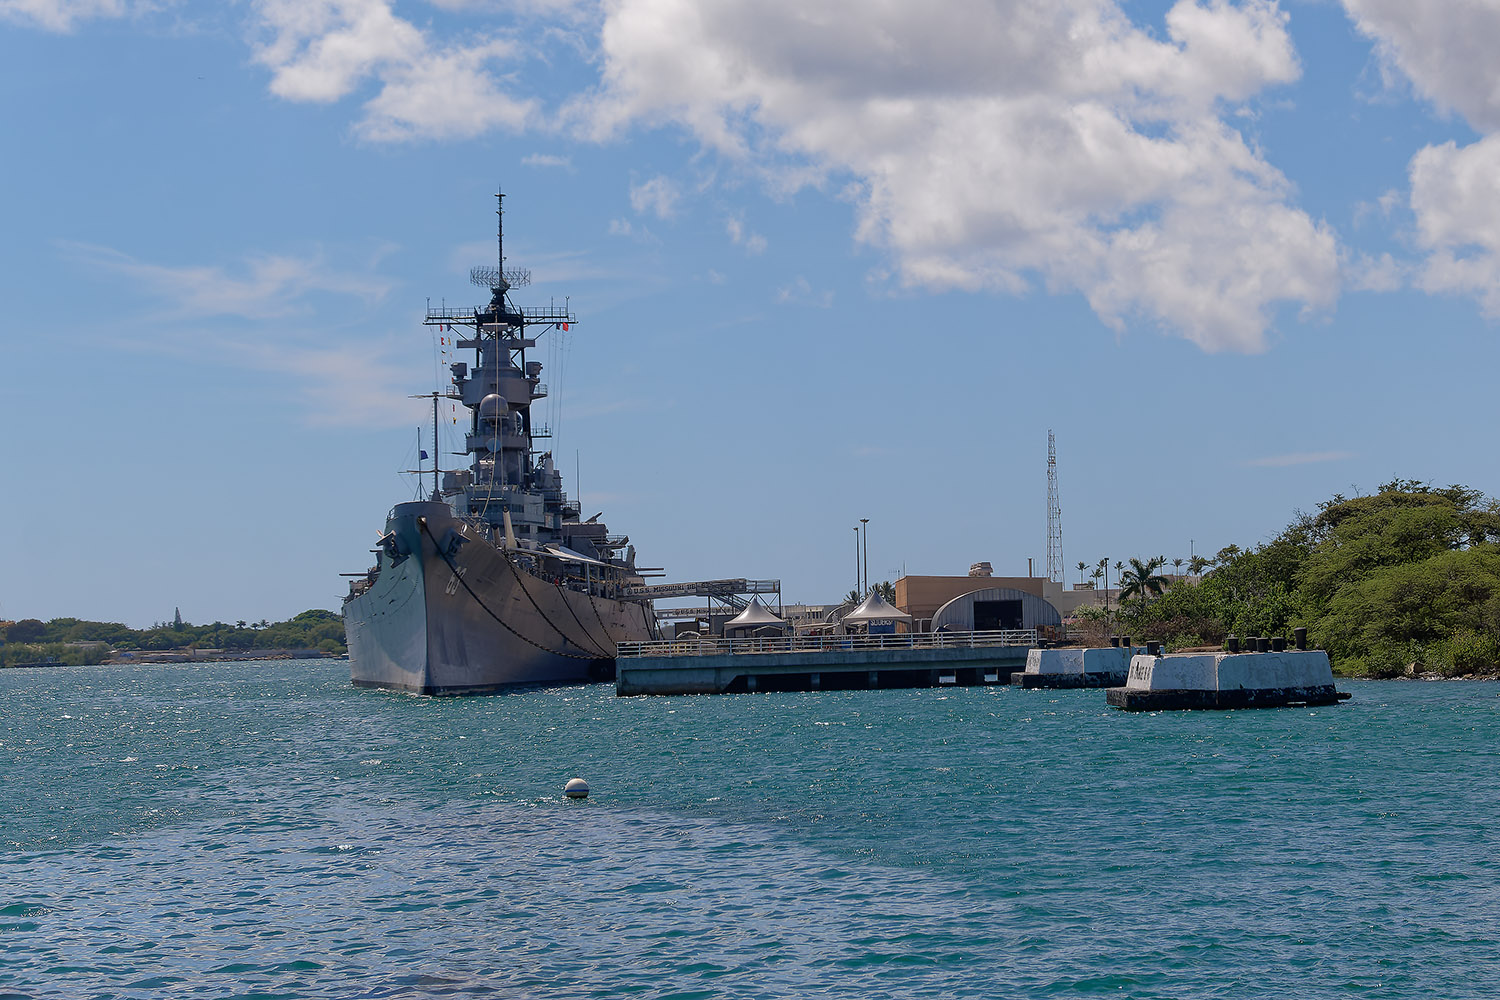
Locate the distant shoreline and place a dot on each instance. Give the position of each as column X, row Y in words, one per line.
column 161, row 658
column 238, row 655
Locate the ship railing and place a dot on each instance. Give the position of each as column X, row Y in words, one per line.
column 528, row 314
column 711, row 645
column 448, row 314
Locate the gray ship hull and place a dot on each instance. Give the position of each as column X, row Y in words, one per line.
column 473, row 619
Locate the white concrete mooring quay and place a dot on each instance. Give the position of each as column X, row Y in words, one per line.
column 1259, row 679
column 820, row 663
column 1076, row 667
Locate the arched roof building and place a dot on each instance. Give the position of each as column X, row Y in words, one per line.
column 995, row 608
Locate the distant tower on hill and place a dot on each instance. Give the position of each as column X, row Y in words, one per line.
column 177, row 619
column 1054, row 515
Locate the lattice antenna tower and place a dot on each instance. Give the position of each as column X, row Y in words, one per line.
column 1054, row 515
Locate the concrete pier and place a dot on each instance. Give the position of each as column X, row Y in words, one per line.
column 1227, row 680
column 742, row 668
column 1075, row 667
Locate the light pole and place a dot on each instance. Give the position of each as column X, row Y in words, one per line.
column 857, row 576
column 865, row 524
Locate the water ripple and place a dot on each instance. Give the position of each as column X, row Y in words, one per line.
column 265, row 830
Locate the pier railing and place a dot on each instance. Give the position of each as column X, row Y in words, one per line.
column 710, row 645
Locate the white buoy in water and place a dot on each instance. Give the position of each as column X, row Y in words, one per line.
column 576, row 788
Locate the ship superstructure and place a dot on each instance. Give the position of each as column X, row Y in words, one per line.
column 495, row 579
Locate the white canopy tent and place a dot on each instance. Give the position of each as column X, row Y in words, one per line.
column 755, row 617
column 876, row 609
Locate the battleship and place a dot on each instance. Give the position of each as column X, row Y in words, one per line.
column 494, row 580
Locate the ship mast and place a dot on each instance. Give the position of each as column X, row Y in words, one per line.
column 499, row 390
column 435, row 395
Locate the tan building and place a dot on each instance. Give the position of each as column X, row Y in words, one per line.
column 921, row 596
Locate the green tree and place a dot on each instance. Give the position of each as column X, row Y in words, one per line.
column 1407, row 577
column 26, row 630
column 1404, row 523
column 1142, row 581
column 1442, row 613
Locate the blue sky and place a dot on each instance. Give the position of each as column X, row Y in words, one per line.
column 830, row 261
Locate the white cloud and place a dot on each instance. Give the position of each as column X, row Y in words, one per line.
column 238, row 315
column 1376, row 274
column 987, row 144
column 562, row 9
column 1445, row 48
column 548, row 160
column 754, row 243
column 659, row 195
column 60, row 15
column 1299, row 458
column 322, row 50
column 1455, row 194
column 800, row 293
column 352, row 385
column 263, row 286
column 1381, row 207
column 991, row 144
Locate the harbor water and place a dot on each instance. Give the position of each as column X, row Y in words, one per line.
column 267, row 830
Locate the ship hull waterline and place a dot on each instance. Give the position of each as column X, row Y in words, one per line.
column 476, row 621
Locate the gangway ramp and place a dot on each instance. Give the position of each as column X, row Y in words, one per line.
column 729, row 592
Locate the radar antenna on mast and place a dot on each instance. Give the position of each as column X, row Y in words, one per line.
column 499, row 278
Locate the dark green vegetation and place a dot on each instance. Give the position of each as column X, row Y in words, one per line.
column 69, row 640
column 1408, row 577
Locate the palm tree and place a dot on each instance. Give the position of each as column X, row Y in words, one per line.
column 1198, row 564
column 1142, row 581
column 1082, row 567
column 1177, row 565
